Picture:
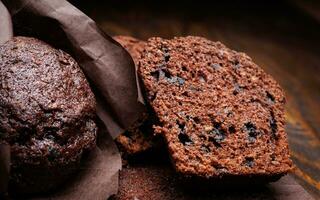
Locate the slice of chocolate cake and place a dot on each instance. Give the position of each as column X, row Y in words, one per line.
column 139, row 137
column 220, row 114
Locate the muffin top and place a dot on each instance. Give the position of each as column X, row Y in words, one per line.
column 45, row 99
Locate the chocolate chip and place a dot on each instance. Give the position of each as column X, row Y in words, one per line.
column 273, row 157
column 273, row 126
column 216, row 66
column 180, row 81
column 205, row 148
column 249, row 161
column 215, row 143
column 216, row 124
column 250, row 127
column 203, row 137
column 202, row 77
column 161, row 73
column 166, row 57
column 184, row 68
column 220, row 169
column 270, row 98
column 184, row 138
column 236, row 64
column 189, row 117
column 237, row 89
column 181, row 126
column 172, row 80
column 229, row 114
column 167, row 74
column 155, row 74
column 217, row 135
column 232, row 129
column 196, row 120
column 176, row 80
column 164, row 49
column 185, row 93
column 166, row 54
column 252, row 131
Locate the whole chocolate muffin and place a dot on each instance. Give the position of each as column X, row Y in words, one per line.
column 47, row 114
column 220, row 114
column 139, row 137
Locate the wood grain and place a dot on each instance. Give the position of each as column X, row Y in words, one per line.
column 280, row 37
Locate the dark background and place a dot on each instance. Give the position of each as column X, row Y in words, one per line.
column 283, row 37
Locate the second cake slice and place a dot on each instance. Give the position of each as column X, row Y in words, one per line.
column 220, row 114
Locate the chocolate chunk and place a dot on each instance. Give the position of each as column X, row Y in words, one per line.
column 176, row 80
column 184, row 138
column 237, row 89
column 273, row 126
column 232, row 129
column 249, row 161
column 161, row 73
column 216, row 66
column 155, row 74
column 270, row 98
column 181, row 126
column 215, row 142
column 217, row 135
column 166, row 57
column 205, row 149
column 252, row 131
column 236, row 64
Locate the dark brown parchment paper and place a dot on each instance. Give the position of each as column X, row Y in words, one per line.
column 110, row 71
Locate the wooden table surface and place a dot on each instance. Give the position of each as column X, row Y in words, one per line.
column 281, row 37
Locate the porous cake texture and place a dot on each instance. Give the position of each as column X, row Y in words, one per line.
column 220, row 113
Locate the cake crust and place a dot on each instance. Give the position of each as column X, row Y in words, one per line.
column 219, row 112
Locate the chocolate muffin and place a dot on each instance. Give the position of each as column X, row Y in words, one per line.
column 139, row 137
column 220, row 114
column 47, row 114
